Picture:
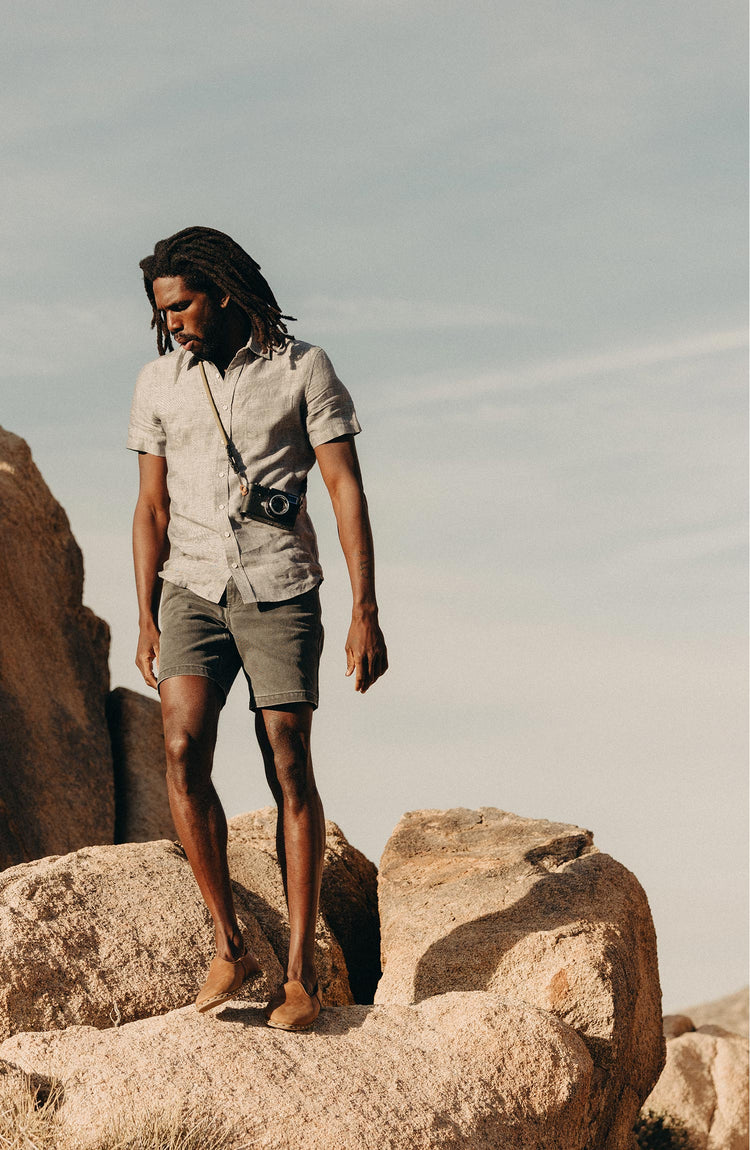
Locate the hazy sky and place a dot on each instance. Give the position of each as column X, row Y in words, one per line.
column 519, row 231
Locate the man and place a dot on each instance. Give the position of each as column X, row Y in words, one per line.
column 227, row 426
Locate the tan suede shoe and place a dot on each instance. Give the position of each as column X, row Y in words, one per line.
column 225, row 977
column 275, row 1000
column 296, row 1009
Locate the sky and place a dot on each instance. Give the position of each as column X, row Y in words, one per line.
column 520, row 233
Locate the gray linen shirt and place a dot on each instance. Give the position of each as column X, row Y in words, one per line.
column 276, row 410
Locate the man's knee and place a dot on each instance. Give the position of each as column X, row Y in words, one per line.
column 293, row 771
column 188, row 761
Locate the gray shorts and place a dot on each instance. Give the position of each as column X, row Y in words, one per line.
column 277, row 645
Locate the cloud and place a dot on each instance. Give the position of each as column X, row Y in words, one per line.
column 329, row 314
column 564, row 370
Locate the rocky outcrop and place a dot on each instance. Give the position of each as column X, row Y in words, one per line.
column 729, row 1012
column 528, row 909
column 705, row 1085
column 457, row 1072
column 673, row 1025
column 111, row 934
column 56, row 784
column 348, row 896
column 142, row 811
column 106, row 934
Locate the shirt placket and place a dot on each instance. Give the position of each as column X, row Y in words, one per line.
column 228, row 483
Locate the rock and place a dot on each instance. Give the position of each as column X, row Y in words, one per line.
column 348, row 897
column 56, row 784
column 142, row 811
column 673, row 1025
column 730, row 1012
column 117, row 933
column 457, row 1072
column 107, row 934
column 528, row 909
column 704, row 1084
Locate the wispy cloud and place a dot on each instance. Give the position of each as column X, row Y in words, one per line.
column 565, row 370
column 329, row 314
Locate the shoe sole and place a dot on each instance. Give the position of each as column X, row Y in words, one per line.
column 294, row 1029
column 210, row 1003
column 218, row 999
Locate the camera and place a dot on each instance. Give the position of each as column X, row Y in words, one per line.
column 269, row 505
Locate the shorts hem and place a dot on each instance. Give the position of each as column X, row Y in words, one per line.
column 260, row 701
column 190, row 669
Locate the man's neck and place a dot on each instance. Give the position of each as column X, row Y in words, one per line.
column 235, row 335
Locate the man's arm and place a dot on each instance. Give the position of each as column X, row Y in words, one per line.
column 150, row 550
column 365, row 646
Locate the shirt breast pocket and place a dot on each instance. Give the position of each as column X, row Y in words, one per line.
column 266, row 417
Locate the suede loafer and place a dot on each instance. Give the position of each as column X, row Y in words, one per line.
column 225, row 978
column 292, row 1008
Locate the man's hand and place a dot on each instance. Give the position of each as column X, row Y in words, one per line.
column 148, row 652
column 365, row 651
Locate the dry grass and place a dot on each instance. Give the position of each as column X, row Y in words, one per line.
column 165, row 1132
column 29, row 1121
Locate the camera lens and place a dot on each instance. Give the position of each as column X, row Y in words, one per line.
column 278, row 505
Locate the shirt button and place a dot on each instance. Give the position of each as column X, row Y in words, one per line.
column 221, row 507
column 222, row 474
column 235, row 566
column 226, row 407
column 226, row 534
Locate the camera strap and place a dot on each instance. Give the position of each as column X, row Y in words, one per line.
column 224, row 437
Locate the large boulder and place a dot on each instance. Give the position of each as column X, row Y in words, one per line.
column 117, row 933
column 348, row 895
column 142, row 811
column 529, row 909
column 705, row 1085
column 56, row 784
column 106, row 934
column 458, row 1072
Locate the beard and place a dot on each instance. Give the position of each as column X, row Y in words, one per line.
column 209, row 343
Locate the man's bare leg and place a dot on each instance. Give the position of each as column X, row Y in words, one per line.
column 284, row 737
column 191, row 705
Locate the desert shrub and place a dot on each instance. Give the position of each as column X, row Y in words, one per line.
column 661, row 1132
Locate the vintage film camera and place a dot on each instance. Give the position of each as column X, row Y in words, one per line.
column 269, row 505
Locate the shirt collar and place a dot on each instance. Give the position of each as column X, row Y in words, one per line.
column 254, row 349
column 251, row 346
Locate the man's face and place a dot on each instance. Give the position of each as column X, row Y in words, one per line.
column 194, row 319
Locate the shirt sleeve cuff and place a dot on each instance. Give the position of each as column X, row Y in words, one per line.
column 150, row 446
column 333, row 430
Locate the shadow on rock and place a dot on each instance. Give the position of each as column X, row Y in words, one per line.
column 335, row 1020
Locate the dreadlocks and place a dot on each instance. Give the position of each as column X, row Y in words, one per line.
column 211, row 261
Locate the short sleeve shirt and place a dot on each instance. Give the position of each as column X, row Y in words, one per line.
column 276, row 410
